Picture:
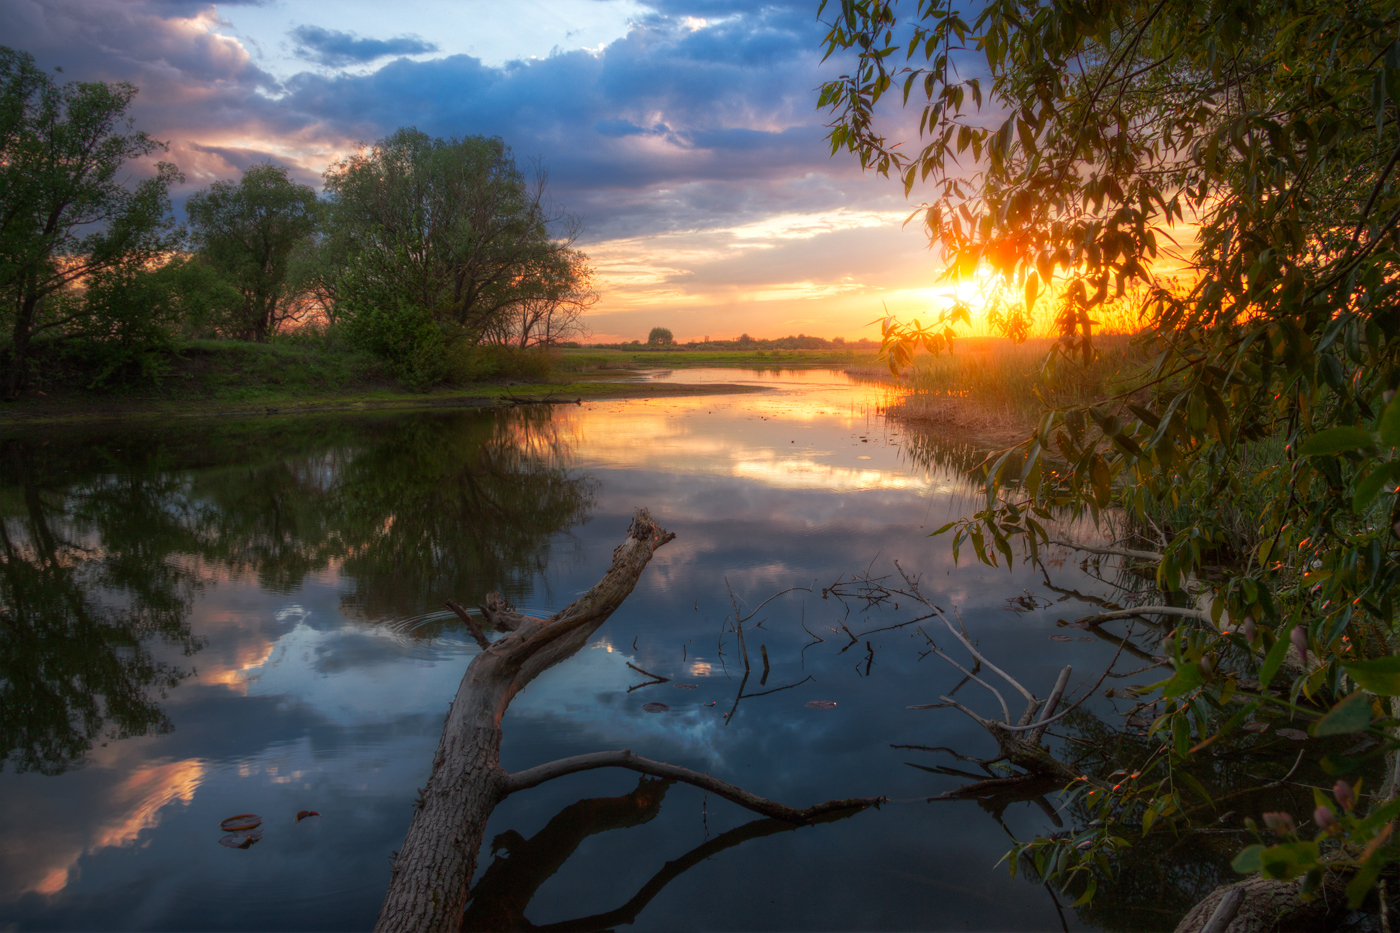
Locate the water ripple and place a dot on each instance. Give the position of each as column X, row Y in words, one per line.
column 437, row 635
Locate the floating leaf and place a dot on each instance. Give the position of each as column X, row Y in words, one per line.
column 241, row 840
column 655, row 708
column 821, row 704
column 711, row 703
column 1256, row 727
column 687, row 686
column 1060, row 638
column 1296, row 735
column 303, row 814
column 241, row 823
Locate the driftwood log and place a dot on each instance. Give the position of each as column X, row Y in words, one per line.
column 433, row 870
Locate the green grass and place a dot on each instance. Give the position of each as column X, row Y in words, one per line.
column 236, row 370
column 588, row 359
column 308, row 373
column 1012, row 380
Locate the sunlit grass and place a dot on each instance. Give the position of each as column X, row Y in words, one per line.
column 587, row 359
column 992, row 384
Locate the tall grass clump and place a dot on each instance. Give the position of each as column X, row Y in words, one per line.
column 993, row 383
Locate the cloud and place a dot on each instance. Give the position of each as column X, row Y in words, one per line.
column 338, row 49
column 699, row 121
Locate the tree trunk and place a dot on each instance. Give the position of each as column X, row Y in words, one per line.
column 19, row 346
column 1262, row 905
column 432, row 873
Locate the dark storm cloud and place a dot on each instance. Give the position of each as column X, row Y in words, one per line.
column 338, row 49
column 676, row 125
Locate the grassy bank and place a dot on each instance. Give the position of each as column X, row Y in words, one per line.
column 994, row 390
column 236, row 378
column 590, row 359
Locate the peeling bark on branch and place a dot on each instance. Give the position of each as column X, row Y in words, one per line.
column 1262, row 905
column 432, row 873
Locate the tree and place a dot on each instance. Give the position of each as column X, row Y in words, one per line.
column 660, row 337
column 554, row 310
column 250, row 232
column 444, row 241
column 1093, row 129
column 65, row 212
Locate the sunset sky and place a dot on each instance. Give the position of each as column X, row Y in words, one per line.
column 683, row 132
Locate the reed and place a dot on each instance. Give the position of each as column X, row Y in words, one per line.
column 995, row 387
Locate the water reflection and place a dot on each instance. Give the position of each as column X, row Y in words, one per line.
column 520, row 866
column 83, row 592
column 305, row 562
column 107, row 542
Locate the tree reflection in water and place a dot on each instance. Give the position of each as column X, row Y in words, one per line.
column 105, row 542
column 520, row 866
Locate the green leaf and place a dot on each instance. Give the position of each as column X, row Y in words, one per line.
column 1371, row 486
column 1181, row 736
column 1335, row 441
column 1390, row 424
column 1365, row 879
column 1381, row 676
column 1272, row 660
column 1187, row 678
column 1288, row 860
column 1353, row 714
column 1248, row 861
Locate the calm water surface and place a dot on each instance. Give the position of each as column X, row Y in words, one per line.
column 211, row 618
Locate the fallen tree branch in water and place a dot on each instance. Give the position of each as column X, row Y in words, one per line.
column 532, row 777
column 1199, row 615
column 1109, row 551
column 433, row 871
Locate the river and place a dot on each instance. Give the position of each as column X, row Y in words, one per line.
column 216, row 617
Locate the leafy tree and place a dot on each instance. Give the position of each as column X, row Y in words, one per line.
column 250, row 233
column 660, row 336
column 443, row 241
column 1060, row 145
column 65, row 211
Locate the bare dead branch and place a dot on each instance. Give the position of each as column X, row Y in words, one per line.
column 1109, row 551
column 473, row 626
column 532, row 777
column 1197, row 614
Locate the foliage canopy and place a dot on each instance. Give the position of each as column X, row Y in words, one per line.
column 441, row 240
column 249, row 232
column 66, row 212
column 1079, row 149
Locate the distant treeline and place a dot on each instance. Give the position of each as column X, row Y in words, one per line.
column 742, row 342
column 422, row 254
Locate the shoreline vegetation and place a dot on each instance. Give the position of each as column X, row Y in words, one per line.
column 307, row 374
column 989, row 390
column 992, row 392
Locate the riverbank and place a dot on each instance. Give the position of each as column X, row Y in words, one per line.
column 217, row 378
column 49, row 411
